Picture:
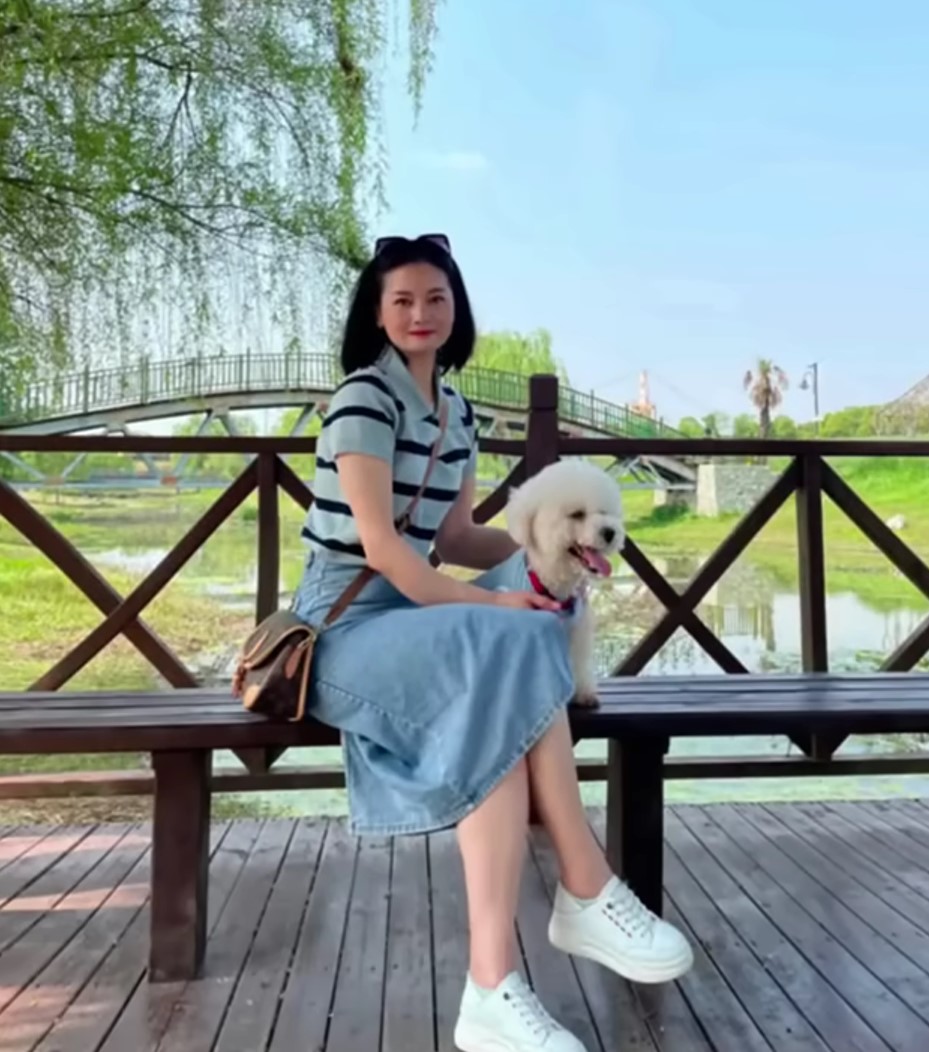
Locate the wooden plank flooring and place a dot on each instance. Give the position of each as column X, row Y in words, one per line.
column 810, row 922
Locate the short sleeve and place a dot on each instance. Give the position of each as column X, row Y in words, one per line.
column 363, row 417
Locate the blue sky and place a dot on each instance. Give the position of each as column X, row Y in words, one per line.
column 683, row 186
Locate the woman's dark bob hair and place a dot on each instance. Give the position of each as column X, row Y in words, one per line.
column 363, row 340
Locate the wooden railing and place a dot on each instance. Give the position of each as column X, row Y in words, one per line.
column 807, row 478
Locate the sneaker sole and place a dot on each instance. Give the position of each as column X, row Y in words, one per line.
column 635, row 971
column 479, row 1041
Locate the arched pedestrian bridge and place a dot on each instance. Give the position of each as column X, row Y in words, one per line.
column 88, row 398
column 213, row 387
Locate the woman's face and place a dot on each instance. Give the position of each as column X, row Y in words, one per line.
column 416, row 309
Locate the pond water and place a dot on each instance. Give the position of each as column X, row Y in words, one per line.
column 754, row 609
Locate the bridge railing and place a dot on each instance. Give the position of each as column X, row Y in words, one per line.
column 807, row 480
column 152, row 382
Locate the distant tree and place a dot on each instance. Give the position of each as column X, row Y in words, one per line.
column 513, row 352
column 716, row 424
column 745, row 426
column 691, row 427
column 852, row 422
column 765, row 386
column 206, row 160
column 783, row 427
column 519, row 353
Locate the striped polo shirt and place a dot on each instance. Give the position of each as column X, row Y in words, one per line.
column 380, row 410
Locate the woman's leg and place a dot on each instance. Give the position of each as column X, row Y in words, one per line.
column 492, row 839
column 499, row 1011
column 591, row 905
column 595, row 915
column 557, row 798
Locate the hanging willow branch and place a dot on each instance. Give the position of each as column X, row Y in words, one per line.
column 217, row 156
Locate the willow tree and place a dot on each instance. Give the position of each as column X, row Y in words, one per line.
column 171, row 170
column 517, row 352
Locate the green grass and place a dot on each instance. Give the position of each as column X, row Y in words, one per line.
column 890, row 486
column 44, row 615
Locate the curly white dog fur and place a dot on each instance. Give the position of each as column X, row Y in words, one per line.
column 569, row 519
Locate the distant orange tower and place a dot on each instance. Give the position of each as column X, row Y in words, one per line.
column 644, row 406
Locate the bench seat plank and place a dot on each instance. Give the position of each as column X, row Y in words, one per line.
column 665, row 705
column 145, row 722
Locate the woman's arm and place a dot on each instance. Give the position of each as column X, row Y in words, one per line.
column 367, row 484
column 462, row 542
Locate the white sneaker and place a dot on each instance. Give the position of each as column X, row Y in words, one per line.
column 616, row 930
column 509, row 1018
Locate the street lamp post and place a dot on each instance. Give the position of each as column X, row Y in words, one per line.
column 812, row 374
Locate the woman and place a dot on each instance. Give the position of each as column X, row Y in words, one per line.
column 451, row 695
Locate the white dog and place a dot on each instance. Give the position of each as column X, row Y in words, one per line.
column 569, row 518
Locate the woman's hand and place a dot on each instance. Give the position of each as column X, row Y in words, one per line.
column 525, row 601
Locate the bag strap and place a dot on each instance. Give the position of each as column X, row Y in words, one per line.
column 347, row 597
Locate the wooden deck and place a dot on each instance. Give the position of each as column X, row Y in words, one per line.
column 811, row 924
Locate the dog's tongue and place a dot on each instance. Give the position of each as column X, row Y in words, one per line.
column 596, row 562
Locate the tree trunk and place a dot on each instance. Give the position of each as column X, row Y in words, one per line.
column 764, row 421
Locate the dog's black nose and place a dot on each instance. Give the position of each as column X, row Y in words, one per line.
column 608, row 534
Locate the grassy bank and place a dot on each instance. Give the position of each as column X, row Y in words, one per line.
column 890, row 486
column 44, row 615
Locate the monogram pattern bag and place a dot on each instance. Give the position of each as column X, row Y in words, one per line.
column 272, row 675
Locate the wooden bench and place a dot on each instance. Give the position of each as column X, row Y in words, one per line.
column 638, row 716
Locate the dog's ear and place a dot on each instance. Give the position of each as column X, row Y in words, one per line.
column 519, row 517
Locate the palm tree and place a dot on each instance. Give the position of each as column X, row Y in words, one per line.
column 766, row 387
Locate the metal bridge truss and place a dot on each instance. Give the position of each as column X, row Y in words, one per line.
column 631, row 473
column 151, row 473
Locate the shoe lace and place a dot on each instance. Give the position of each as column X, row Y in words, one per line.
column 627, row 911
column 531, row 1013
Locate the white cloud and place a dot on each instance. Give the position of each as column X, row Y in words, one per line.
column 457, row 160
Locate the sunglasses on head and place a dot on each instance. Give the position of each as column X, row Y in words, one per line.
column 383, row 243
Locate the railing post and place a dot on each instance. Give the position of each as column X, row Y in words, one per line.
column 814, row 646
column 269, row 539
column 260, row 760
column 542, row 435
column 542, row 441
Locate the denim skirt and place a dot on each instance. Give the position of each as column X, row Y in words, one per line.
column 435, row 704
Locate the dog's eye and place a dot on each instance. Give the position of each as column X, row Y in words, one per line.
column 579, row 514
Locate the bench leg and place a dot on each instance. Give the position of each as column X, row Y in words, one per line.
column 180, row 864
column 635, row 815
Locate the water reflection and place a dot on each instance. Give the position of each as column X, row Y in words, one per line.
column 754, row 608
column 756, row 612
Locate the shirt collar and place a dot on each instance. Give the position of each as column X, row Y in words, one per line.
column 406, row 388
